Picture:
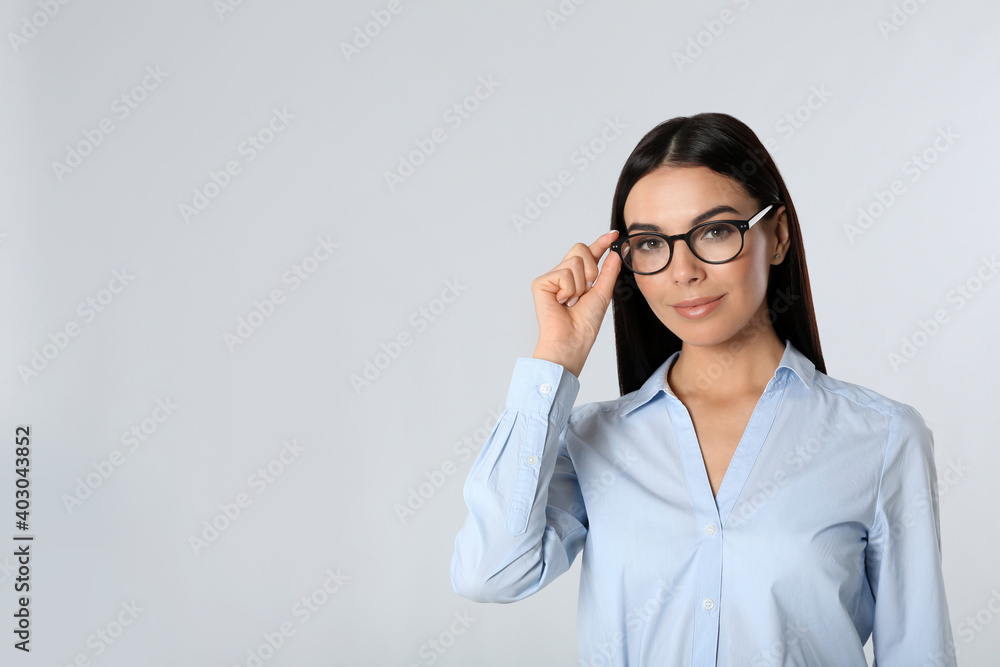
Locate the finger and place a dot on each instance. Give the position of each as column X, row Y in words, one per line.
column 591, row 255
column 583, row 266
column 581, row 255
column 605, row 284
column 601, row 245
column 560, row 282
column 597, row 249
column 581, row 281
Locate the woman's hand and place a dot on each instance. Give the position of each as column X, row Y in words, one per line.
column 570, row 305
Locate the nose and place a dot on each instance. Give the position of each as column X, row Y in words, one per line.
column 684, row 266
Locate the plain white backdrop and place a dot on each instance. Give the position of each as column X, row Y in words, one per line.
column 214, row 214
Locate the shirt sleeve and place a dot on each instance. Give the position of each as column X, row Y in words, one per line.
column 903, row 556
column 526, row 520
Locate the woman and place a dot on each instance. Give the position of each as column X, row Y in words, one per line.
column 735, row 506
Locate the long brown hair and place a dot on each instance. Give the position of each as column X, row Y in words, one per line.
column 727, row 146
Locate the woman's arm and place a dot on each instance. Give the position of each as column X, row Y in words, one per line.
column 526, row 520
column 903, row 556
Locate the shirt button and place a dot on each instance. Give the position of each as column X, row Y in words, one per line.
column 708, row 604
column 545, row 388
column 710, row 529
column 532, row 460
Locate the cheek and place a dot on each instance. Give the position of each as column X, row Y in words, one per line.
column 650, row 290
column 757, row 265
column 745, row 282
column 753, row 273
column 745, row 278
column 758, row 275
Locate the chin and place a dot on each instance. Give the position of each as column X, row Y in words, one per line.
column 699, row 333
column 702, row 333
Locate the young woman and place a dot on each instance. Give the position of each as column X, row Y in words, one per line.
column 735, row 506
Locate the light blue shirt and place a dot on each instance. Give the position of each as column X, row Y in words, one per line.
column 825, row 530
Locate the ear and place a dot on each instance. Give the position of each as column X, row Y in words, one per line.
column 782, row 240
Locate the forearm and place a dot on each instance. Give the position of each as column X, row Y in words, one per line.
column 525, row 521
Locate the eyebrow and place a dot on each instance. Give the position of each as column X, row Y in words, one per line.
column 710, row 213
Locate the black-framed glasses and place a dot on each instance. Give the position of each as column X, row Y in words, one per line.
column 713, row 242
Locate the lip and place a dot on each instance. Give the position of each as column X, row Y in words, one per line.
column 695, row 308
column 688, row 303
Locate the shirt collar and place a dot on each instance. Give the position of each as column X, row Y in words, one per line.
column 794, row 362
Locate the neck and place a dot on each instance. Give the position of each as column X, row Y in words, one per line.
column 739, row 367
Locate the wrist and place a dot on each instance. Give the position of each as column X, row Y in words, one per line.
column 572, row 363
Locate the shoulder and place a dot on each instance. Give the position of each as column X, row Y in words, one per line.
column 862, row 399
column 598, row 410
column 892, row 420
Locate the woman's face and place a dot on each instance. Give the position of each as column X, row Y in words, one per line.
column 672, row 199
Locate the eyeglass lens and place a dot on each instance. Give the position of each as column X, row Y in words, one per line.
column 714, row 242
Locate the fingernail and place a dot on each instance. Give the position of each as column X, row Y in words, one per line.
column 563, row 300
column 590, row 284
column 572, row 301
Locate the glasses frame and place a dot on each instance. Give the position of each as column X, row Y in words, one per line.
column 742, row 225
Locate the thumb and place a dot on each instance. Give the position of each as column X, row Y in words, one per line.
column 605, row 284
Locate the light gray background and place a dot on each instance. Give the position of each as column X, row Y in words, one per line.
column 887, row 96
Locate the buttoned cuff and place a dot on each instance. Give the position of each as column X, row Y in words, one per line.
column 542, row 387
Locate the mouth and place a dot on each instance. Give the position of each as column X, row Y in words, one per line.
column 690, row 303
column 696, row 308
